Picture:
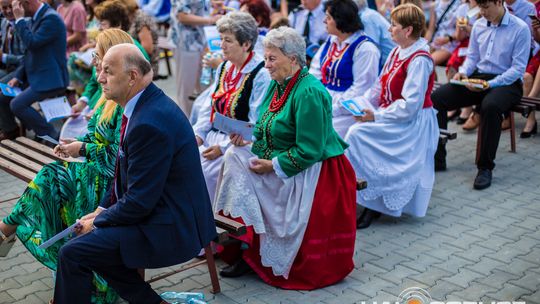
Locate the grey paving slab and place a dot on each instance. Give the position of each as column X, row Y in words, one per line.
column 472, row 245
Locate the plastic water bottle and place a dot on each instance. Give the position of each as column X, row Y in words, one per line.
column 196, row 301
column 182, row 297
column 206, row 73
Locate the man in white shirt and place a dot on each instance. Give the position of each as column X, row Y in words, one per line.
column 309, row 21
column 501, row 66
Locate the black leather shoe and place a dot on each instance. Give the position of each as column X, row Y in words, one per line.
column 454, row 115
column 461, row 120
column 440, row 165
column 483, row 179
column 236, row 270
column 534, row 130
column 366, row 218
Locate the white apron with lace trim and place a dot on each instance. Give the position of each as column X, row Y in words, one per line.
column 396, row 159
column 278, row 209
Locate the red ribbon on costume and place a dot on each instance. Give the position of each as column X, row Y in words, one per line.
column 229, row 87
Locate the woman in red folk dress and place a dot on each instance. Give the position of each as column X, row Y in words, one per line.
column 295, row 190
column 392, row 146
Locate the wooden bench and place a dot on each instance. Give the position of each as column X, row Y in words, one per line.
column 24, row 158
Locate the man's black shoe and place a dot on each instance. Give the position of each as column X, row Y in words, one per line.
column 238, row 269
column 483, row 179
column 440, row 166
column 366, row 218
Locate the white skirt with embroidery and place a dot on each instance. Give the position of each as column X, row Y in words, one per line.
column 396, row 160
column 278, row 209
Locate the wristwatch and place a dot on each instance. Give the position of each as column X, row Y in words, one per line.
column 82, row 150
column 450, row 38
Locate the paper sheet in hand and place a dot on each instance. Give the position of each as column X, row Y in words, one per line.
column 9, row 91
column 85, row 57
column 212, row 38
column 463, row 83
column 55, row 108
column 228, row 125
column 351, row 106
column 66, row 232
column 49, row 139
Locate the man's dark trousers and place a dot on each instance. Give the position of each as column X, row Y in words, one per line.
column 99, row 251
column 21, row 106
column 492, row 103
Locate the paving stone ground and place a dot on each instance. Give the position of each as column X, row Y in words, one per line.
column 471, row 246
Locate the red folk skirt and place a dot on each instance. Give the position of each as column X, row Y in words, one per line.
column 326, row 254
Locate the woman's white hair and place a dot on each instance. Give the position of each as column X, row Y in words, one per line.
column 289, row 42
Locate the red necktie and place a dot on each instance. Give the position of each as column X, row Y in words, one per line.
column 123, row 128
column 114, row 196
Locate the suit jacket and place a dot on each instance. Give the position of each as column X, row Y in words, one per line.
column 44, row 65
column 16, row 46
column 163, row 212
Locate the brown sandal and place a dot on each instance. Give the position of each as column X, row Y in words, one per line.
column 6, row 242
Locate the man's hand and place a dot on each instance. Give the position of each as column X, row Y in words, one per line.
column 459, row 76
column 369, row 116
column 18, row 10
column 14, row 82
column 475, row 89
column 261, row 166
column 84, row 226
column 212, row 153
column 92, row 214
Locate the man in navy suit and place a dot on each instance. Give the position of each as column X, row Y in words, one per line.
column 158, row 212
column 43, row 72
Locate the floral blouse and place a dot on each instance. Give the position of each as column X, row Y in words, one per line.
column 186, row 37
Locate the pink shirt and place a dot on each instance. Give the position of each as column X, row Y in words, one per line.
column 74, row 16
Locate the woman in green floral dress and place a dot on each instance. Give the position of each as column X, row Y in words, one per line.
column 63, row 192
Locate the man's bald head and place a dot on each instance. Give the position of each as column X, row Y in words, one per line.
column 131, row 57
column 124, row 73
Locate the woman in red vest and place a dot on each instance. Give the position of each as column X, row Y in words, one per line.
column 393, row 144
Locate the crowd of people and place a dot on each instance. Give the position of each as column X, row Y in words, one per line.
column 334, row 91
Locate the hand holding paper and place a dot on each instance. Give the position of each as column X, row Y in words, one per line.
column 232, row 126
column 63, row 234
column 351, row 106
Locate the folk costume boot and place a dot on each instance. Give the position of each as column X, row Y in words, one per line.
column 235, row 270
column 366, row 218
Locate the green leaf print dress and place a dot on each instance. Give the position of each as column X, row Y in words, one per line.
column 63, row 191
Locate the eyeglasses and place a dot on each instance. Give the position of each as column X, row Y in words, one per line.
column 95, row 58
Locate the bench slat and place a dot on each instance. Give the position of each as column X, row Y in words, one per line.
column 16, row 170
column 229, row 225
column 20, row 160
column 360, row 184
column 44, row 149
column 21, row 149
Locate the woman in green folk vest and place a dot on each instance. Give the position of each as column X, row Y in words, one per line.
column 295, row 190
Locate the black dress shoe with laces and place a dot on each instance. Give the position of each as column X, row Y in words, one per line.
column 483, row 179
column 367, row 217
column 235, row 270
